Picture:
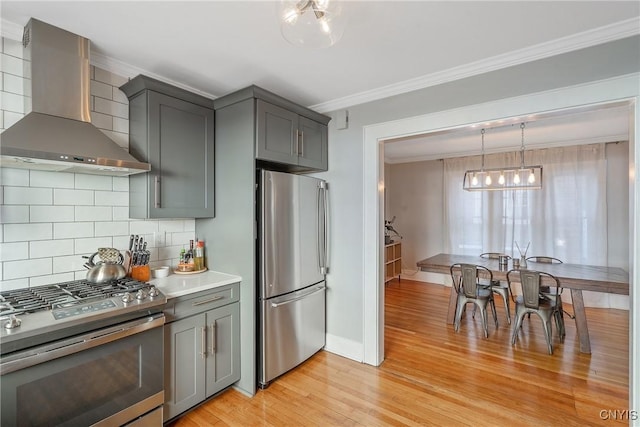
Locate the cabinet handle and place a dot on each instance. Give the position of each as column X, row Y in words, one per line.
column 204, row 342
column 297, row 143
column 213, row 337
column 301, row 144
column 156, row 192
column 216, row 298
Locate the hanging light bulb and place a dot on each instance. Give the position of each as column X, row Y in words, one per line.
column 312, row 23
column 501, row 178
column 516, row 178
column 488, row 180
column 474, row 180
column 532, row 177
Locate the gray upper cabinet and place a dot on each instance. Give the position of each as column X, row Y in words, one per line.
column 287, row 135
column 173, row 130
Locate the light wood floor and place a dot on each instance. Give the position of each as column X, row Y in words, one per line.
column 434, row 376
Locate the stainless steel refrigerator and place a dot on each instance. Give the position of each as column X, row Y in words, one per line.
column 292, row 249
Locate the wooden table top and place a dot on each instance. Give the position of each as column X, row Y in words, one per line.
column 611, row 280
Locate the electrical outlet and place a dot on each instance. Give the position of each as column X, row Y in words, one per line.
column 159, row 239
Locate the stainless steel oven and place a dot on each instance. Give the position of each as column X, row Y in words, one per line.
column 92, row 363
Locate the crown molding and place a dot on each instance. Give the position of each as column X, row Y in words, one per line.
column 10, row 30
column 593, row 37
column 125, row 70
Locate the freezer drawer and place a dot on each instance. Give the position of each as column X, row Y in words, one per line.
column 292, row 330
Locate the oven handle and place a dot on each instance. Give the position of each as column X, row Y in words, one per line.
column 73, row 345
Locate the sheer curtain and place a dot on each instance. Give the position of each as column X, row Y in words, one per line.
column 567, row 219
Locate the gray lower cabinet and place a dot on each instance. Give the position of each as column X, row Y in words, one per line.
column 173, row 130
column 202, row 348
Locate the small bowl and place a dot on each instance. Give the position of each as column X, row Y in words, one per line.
column 160, row 272
column 184, row 267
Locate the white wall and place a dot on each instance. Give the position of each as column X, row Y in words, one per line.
column 48, row 220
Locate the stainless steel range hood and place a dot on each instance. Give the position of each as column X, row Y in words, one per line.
column 57, row 134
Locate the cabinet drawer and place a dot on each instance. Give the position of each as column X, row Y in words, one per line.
column 201, row 301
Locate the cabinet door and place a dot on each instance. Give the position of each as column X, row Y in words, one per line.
column 313, row 144
column 223, row 347
column 184, row 375
column 276, row 134
column 181, row 153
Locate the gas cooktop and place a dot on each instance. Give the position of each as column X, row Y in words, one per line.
column 39, row 314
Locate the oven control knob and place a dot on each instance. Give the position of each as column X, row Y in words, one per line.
column 153, row 292
column 126, row 298
column 140, row 295
column 13, row 322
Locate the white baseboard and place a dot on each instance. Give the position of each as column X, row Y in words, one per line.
column 344, row 347
column 423, row 276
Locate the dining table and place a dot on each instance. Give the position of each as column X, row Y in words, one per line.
column 575, row 277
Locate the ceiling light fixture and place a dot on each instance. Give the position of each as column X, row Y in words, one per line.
column 312, row 23
column 510, row 178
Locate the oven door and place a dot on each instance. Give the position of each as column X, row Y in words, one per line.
column 107, row 377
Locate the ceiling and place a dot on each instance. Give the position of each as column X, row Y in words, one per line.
column 388, row 47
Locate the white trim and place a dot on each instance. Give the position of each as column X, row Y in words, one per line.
column 607, row 33
column 11, row 30
column 343, row 347
column 614, row 89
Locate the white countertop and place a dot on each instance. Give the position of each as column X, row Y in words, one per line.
column 175, row 285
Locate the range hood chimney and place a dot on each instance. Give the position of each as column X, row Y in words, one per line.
column 56, row 134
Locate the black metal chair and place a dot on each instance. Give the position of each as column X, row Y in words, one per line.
column 466, row 284
column 545, row 290
column 499, row 287
column 533, row 301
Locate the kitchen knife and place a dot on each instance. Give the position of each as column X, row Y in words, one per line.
column 135, row 246
column 131, row 242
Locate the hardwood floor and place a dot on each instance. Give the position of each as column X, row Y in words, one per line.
column 434, row 376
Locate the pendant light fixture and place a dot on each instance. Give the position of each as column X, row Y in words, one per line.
column 509, row 178
column 312, row 23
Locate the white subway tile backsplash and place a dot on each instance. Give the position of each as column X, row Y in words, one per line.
column 170, row 226
column 111, row 108
column 94, row 213
column 12, row 102
column 26, row 268
column 11, row 65
column 14, row 251
column 64, row 230
column 72, row 197
column 15, row 177
column 89, row 246
column 50, row 279
column 121, row 243
column 10, row 285
column 120, row 125
column 27, row 232
column 14, row 214
column 190, row 225
column 119, row 96
column 51, row 179
column 94, row 182
column 12, row 48
column 120, row 213
column 121, row 183
column 143, row 227
column 51, row 214
column 50, row 248
column 65, row 264
column 117, row 228
column 102, row 121
column 101, row 90
column 109, row 78
column 180, row 239
column 12, row 84
column 111, row 198
column 9, row 118
column 27, row 196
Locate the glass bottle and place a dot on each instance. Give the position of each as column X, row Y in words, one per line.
column 199, row 255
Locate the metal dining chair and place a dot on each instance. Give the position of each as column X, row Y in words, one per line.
column 545, row 290
column 466, row 284
column 533, row 301
column 499, row 287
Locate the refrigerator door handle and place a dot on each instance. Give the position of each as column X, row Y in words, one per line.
column 298, row 298
column 323, row 213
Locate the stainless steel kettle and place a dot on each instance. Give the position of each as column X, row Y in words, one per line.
column 104, row 271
